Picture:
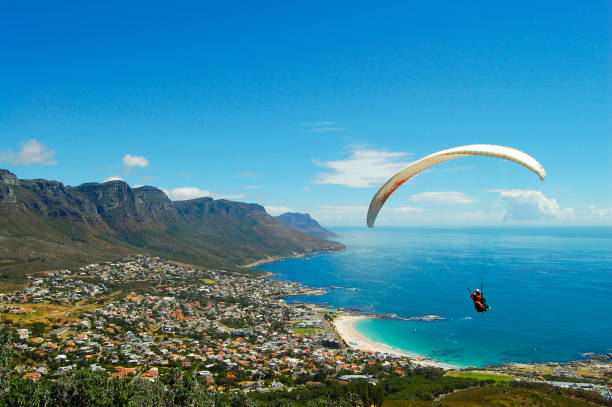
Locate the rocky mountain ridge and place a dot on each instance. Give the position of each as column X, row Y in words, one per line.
column 46, row 224
column 305, row 223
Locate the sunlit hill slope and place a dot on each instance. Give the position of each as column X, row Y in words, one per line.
column 46, row 224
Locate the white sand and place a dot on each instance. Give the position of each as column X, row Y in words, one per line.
column 345, row 326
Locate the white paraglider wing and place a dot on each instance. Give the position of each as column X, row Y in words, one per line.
column 416, row 167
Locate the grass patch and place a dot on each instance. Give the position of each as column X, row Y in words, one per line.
column 10, row 285
column 13, row 275
column 407, row 403
column 498, row 378
column 297, row 321
column 120, row 290
column 235, row 323
column 506, row 396
column 43, row 313
column 307, row 331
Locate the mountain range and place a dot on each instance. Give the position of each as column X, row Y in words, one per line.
column 305, row 223
column 48, row 225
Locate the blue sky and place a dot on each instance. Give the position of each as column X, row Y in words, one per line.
column 310, row 106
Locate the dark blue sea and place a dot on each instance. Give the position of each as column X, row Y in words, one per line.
column 550, row 290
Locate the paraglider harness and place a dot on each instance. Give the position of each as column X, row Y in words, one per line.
column 480, row 303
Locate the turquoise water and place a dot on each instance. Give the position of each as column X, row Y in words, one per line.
column 550, row 290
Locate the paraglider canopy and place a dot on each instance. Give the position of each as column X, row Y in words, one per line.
column 507, row 153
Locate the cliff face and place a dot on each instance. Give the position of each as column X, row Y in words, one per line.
column 58, row 225
column 7, row 181
column 152, row 201
column 304, row 223
column 7, row 177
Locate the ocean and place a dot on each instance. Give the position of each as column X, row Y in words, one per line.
column 550, row 290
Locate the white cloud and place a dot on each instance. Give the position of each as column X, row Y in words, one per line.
column 277, row 210
column 113, row 178
column 524, row 204
column 600, row 212
column 599, row 215
column 135, row 161
column 363, row 169
column 185, row 193
column 32, row 153
column 447, row 197
column 253, row 187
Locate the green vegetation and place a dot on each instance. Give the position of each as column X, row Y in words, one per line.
column 47, row 314
column 181, row 388
column 13, row 273
column 409, row 403
column 307, row 331
column 497, row 378
column 233, row 323
column 184, row 388
column 121, row 290
column 522, row 394
column 426, row 384
column 332, row 394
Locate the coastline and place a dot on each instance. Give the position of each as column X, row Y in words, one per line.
column 274, row 259
column 344, row 324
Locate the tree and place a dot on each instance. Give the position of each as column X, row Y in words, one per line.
column 6, row 355
column 239, row 399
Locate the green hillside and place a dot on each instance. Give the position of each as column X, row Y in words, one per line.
column 46, row 225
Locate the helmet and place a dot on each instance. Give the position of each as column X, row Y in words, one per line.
column 477, row 290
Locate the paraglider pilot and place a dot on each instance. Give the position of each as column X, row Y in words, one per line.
column 480, row 303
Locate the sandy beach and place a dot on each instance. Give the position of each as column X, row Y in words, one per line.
column 273, row 259
column 345, row 327
column 269, row 259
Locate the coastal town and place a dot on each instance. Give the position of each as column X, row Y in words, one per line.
column 141, row 316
